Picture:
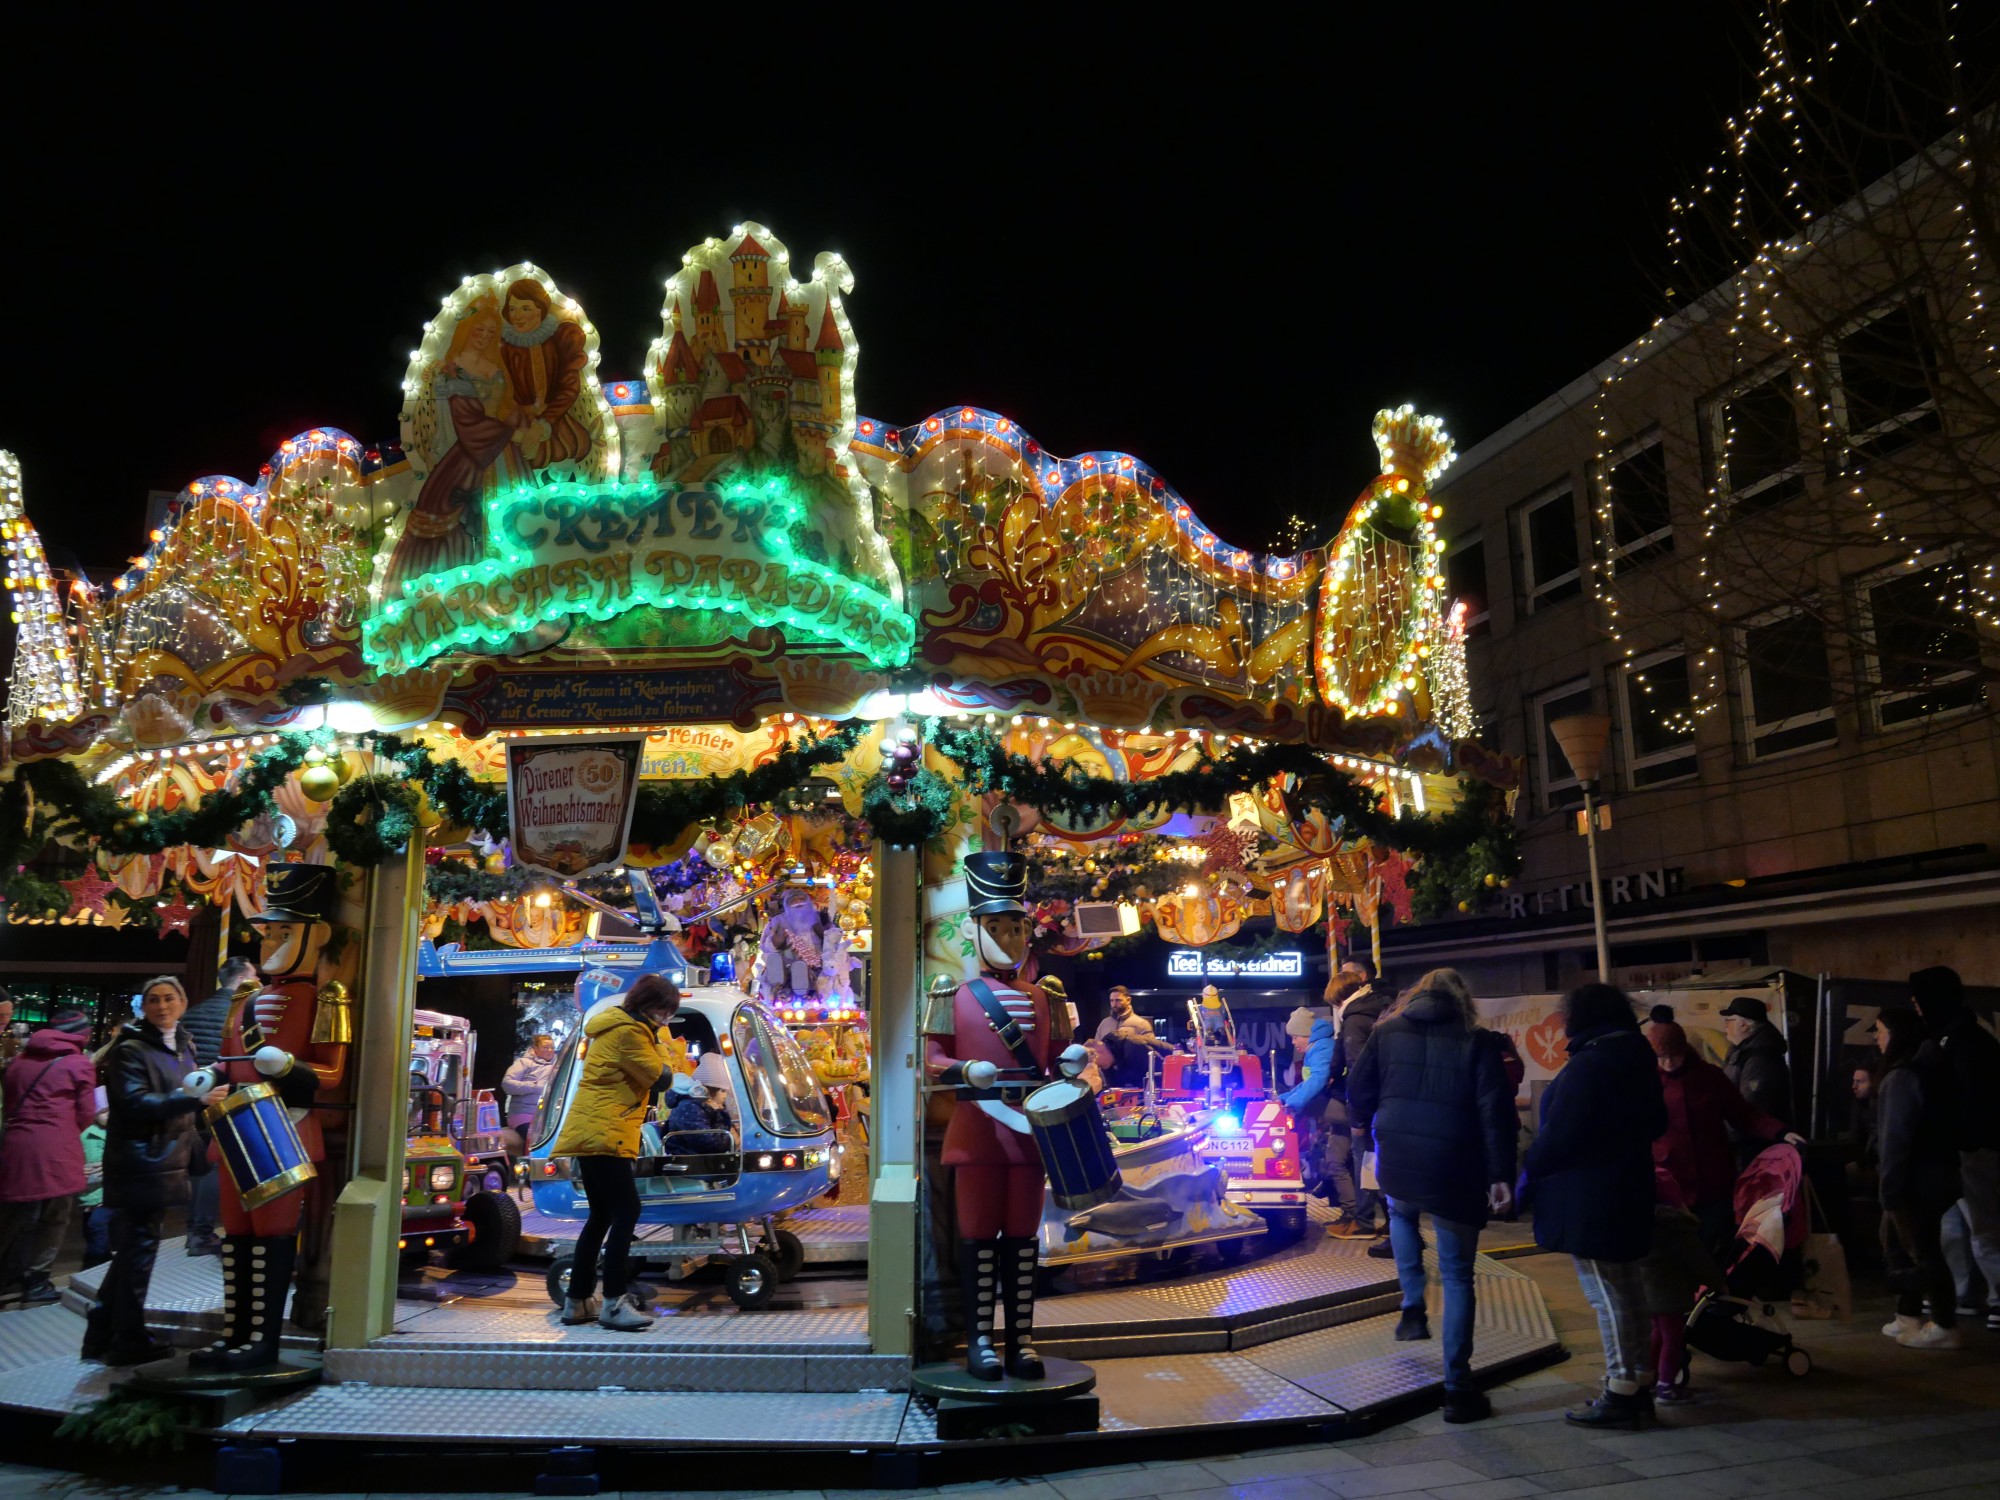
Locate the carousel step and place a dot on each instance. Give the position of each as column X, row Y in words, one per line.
column 574, row 1367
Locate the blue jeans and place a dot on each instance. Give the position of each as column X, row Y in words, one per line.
column 1456, row 1244
column 96, row 1236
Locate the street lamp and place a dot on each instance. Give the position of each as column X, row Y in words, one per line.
column 1583, row 738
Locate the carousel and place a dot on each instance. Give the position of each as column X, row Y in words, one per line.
column 876, row 739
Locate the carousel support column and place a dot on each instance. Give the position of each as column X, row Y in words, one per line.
column 894, row 1144
column 368, row 1216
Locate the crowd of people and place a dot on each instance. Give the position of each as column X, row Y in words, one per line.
column 1406, row 1106
column 113, row 1134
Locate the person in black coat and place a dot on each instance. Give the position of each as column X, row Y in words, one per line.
column 1916, row 1154
column 147, row 1141
column 1756, row 1065
column 1357, row 1005
column 1969, row 1057
column 1430, row 1088
column 1588, row 1179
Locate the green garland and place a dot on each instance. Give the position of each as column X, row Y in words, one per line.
column 370, row 818
column 1490, row 857
column 98, row 814
column 373, row 817
column 453, row 880
column 905, row 819
column 1065, row 788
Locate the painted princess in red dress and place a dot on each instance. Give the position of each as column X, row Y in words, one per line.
column 477, row 428
column 505, row 394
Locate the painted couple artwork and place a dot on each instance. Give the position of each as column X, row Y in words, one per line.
column 505, row 393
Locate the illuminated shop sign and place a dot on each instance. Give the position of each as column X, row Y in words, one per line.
column 1191, row 963
column 598, row 550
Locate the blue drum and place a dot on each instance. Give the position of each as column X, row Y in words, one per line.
column 259, row 1144
column 1075, row 1146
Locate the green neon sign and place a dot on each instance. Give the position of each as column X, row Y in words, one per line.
column 598, row 550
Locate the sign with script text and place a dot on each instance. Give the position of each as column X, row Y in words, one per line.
column 570, row 801
column 557, row 550
column 1191, row 963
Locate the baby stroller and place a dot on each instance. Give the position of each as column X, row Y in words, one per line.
column 1738, row 1321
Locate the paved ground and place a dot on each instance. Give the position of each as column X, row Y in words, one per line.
column 1871, row 1422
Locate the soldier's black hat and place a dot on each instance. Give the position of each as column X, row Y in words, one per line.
column 996, row 883
column 298, row 893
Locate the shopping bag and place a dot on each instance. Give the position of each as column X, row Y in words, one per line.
column 1370, row 1183
column 1824, row 1291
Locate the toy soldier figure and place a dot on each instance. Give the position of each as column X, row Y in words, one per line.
column 996, row 1041
column 294, row 1034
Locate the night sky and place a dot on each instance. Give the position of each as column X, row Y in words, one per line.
column 1221, row 250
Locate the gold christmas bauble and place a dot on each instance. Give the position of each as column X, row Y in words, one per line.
column 428, row 817
column 319, row 782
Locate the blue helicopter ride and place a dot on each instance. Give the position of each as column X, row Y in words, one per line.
column 713, row 1205
column 718, row 1205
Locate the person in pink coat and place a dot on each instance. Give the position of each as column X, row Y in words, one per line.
column 51, row 1094
column 1696, row 1149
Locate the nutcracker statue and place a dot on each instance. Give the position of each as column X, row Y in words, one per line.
column 292, row 1037
column 996, row 1041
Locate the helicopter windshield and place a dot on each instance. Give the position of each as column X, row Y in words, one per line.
column 774, row 1066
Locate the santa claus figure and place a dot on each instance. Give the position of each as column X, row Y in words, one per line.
column 996, row 1040
column 793, row 949
column 292, row 1033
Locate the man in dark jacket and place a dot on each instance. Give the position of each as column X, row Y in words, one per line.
column 203, row 1024
column 1756, row 1061
column 1588, row 1179
column 51, row 1092
column 1357, row 1006
column 1969, row 1057
column 147, row 1141
column 1430, row 1089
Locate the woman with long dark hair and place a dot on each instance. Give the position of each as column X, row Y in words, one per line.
column 623, row 1063
column 147, row 1141
column 1916, row 1154
column 1588, row 1178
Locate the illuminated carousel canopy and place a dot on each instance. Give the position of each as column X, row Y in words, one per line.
column 722, row 542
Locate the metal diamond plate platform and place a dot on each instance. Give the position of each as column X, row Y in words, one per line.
column 36, row 1336
column 804, row 1377
column 57, row 1385
column 1312, row 1284
column 184, row 1301
column 1360, row 1365
column 833, row 1235
column 571, row 1368
column 791, row 1420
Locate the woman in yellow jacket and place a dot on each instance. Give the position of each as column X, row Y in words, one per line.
column 622, row 1064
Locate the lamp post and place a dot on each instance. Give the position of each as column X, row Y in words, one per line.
column 1583, row 738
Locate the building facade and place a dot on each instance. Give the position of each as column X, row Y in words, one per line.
column 1802, row 761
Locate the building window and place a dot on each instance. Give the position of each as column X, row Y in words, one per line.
column 1550, row 562
column 1754, row 437
column 1787, row 684
column 1884, row 370
column 1465, row 580
column 1560, row 788
column 1658, row 710
column 1923, row 653
column 1634, row 493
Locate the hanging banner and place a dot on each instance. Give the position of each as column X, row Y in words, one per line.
column 570, row 802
